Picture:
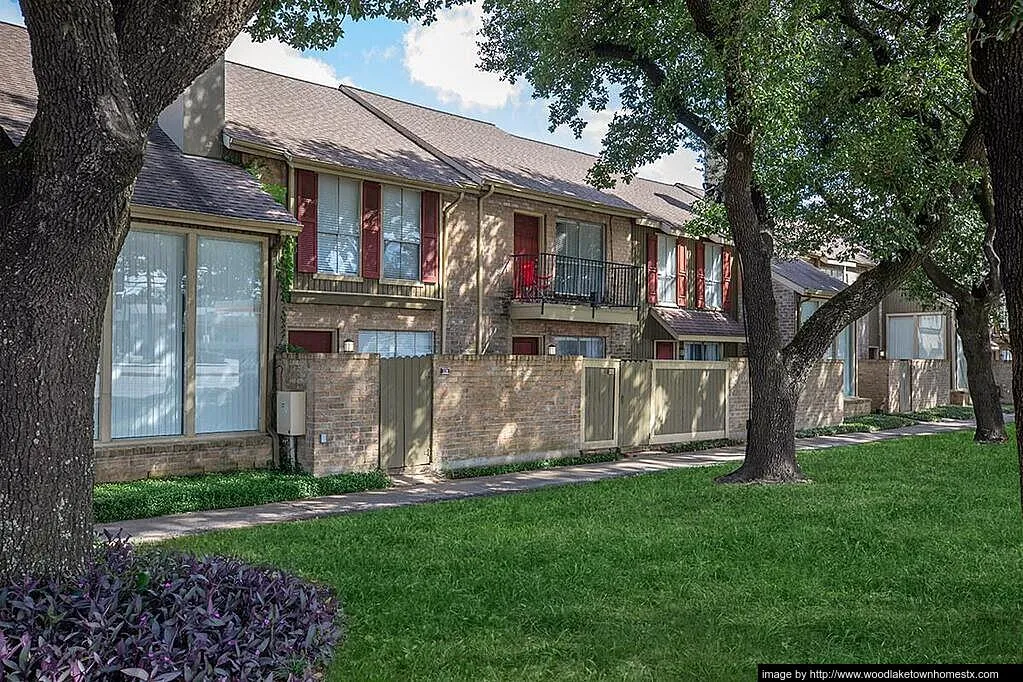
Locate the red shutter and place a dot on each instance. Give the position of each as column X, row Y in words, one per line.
column 305, row 209
column 700, row 280
column 371, row 230
column 651, row 269
column 726, row 278
column 682, row 283
column 429, row 232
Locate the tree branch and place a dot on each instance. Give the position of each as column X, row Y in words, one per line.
column 943, row 281
column 879, row 48
column 656, row 76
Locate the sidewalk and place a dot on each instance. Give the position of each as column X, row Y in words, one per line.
column 165, row 527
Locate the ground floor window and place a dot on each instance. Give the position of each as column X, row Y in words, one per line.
column 842, row 348
column 586, row 346
column 916, row 336
column 395, row 344
column 182, row 348
column 701, row 351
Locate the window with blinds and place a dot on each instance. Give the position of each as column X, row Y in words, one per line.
column 338, row 225
column 401, row 225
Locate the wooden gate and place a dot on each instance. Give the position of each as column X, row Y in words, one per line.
column 600, row 404
column 406, row 412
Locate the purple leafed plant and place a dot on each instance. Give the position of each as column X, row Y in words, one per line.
column 160, row 616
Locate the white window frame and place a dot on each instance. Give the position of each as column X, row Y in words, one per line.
column 667, row 270
column 916, row 334
column 418, row 242
column 102, row 420
column 358, row 225
column 712, row 284
column 563, row 337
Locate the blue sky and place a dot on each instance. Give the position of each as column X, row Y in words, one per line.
column 433, row 66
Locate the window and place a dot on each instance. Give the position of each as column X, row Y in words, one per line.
column 667, row 269
column 712, row 276
column 586, row 346
column 841, row 348
column 701, row 351
column 338, row 225
column 962, row 382
column 401, row 216
column 916, row 336
column 390, row 344
column 228, row 296
column 147, row 340
column 152, row 315
column 579, row 268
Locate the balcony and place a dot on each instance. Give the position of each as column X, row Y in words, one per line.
column 549, row 286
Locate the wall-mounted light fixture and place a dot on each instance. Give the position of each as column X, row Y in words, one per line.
column 348, row 345
column 552, row 349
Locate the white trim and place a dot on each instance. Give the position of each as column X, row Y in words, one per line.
column 615, row 366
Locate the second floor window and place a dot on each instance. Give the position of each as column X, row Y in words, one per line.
column 712, row 277
column 401, row 218
column 667, row 269
column 338, row 226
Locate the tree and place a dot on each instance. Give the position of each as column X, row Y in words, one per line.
column 104, row 71
column 734, row 77
column 997, row 71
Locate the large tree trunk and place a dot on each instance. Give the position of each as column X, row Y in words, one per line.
column 104, row 71
column 998, row 69
column 974, row 323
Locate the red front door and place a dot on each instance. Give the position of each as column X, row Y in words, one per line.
column 664, row 350
column 526, row 248
column 525, row 345
column 312, row 342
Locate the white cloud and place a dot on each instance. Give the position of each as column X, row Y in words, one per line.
column 379, row 54
column 275, row 56
column 443, row 57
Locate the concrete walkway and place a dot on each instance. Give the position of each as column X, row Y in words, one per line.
column 164, row 527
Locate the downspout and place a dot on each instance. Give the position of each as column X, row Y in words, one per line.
column 445, row 214
column 479, row 268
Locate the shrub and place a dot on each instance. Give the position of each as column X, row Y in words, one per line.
column 880, row 422
column 696, row 445
column 158, row 615
column 160, row 496
column 940, row 412
column 550, row 463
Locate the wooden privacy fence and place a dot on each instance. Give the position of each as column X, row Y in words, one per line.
column 668, row 401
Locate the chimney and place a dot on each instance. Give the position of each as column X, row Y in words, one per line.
column 195, row 120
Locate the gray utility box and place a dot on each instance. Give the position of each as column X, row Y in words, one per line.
column 291, row 413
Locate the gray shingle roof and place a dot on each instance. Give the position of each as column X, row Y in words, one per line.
column 498, row 156
column 320, row 123
column 682, row 323
column 805, row 278
column 168, row 179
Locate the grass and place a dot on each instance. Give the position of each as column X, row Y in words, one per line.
column 159, row 496
column 549, row 463
column 900, row 551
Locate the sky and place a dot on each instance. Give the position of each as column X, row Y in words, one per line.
column 433, row 66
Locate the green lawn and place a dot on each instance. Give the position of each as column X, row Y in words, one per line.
column 904, row 551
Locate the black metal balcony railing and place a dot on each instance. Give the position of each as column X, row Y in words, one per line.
column 550, row 278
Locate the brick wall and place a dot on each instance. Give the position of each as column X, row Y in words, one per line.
column 460, row 277
column 127, row 461
column 618, row 338
column 878, row 380
column 342, row 404
column 820, row 403
column 348, row 320
column 788, row 311
column 501, row 408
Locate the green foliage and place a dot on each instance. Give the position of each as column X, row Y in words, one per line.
column 906, row 550
column 867, row 423
column 549, row 463
column 161, row 496
column 697, row 445
column 319, row 24
column 940, row 412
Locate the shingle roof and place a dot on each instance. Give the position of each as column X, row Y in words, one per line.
column 168, row 179
column 498, row 156
column 805, row 278
column 320, row 123
column 682, row 323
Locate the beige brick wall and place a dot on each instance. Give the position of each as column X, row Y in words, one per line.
column 499, row 408
column 342, row 403
column 788, row 311
column 873, row 381
column 855, row 406
column 932, row 383
column 618, row 338
column 820, row 403
column 460, row 277
column 130, row 461
column 348, row 320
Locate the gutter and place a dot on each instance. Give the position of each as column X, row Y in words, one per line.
column 479, row 268
column 445, row 214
